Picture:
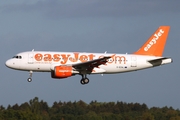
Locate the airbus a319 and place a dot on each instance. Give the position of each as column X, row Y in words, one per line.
column 66, row 64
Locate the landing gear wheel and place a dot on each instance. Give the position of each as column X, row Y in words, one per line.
column 84, row 81
column 30, row 75
column 29, row 79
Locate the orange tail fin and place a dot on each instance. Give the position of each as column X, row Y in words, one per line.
column 154, row 46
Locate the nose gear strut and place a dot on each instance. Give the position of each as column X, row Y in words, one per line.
column 30, row 76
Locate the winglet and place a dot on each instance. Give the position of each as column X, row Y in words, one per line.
column 154, row 46
column 113, row 55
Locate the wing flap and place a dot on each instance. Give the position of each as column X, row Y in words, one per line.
column 90, row 65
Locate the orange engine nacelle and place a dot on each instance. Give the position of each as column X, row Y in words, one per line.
column 61, row 72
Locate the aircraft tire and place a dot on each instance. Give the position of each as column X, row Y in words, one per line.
column 86, row 80
column 29, row 79
column 82, row 81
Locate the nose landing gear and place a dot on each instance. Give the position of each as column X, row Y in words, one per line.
column 30, row 76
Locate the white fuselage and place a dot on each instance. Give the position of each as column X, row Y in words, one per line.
column 44, row 61
column 66, row 64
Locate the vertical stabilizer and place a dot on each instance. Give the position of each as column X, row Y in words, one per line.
column 154, row 46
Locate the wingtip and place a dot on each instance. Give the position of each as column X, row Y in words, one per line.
column 113, row 55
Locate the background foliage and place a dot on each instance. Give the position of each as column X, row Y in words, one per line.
column 79, row 110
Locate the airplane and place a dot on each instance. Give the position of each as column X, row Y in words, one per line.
column 66, row 64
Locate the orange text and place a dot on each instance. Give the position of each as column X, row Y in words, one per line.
column 75, row 57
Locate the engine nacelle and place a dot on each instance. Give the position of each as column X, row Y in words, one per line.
column 62, row 72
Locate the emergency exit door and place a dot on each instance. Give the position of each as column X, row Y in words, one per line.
column 30, row 58
column 133, row 61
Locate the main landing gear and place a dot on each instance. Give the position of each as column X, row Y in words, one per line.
column 84, row 79
column 30, row 76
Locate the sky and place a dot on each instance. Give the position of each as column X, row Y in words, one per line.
column 115, row 26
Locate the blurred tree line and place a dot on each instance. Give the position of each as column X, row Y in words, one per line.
column 39, row 110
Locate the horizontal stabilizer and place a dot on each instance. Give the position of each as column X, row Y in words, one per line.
column 160, row 61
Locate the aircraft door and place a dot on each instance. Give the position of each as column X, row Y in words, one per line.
column 133, row 61
column 30, row 58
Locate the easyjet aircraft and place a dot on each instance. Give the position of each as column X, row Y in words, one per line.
column 67, row 64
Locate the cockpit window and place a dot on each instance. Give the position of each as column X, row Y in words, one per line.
column 18, row 57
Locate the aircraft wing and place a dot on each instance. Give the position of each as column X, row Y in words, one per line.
column 89, row 65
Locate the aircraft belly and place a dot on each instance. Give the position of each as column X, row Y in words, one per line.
column 37, row 67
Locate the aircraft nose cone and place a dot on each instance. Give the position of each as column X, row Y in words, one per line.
column 11, row 63
column 8, row 63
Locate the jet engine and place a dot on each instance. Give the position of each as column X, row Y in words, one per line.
column 62, row 72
